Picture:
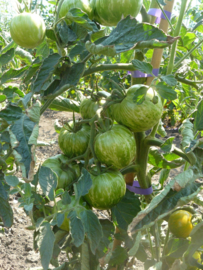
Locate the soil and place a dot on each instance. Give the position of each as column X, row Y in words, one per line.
column 16, row 243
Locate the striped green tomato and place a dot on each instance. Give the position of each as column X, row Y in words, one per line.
column 107, row 190
column 88, row 108
column 136, row 117
column 110, row 12
column 116, row 147
column 27, row 30
column 84, row 5
column 66, row 174
column 74, row 144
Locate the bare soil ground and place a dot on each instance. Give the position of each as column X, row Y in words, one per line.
column 16, row 243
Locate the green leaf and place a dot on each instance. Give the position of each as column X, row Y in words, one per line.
column 43, row 50
column 76, row 50
column 11, row 45
column 176, row 247
column 51, row 34
column 6, row 212
column 32, row 71
column 169, row 79
column 132, row 252
column 46, row 245
column 108, row 230
column 76, row 15
column 13, row 73
column 76, row 229
column 142, row 66
column 11, row 113
column 198, row 123
column 84, row 184
column 20, row 133
column 161, row 208
column 24, row 56
column 163, row 176
column 165, row 91
column 47, row 181
column 2, row 98
column 99, row 49
column 65, row 104
column 66, row 34
column 46, row 71
column 126, row 210
column 98, row 34
column 12, row 180
column 85, row 260
column 139, row 95
column 186, row 130
column 92, row 227
column 128, row 33
column 156, row 159
column 7, row 57
column 167, row 145
column 9, row 91
column 118, row 257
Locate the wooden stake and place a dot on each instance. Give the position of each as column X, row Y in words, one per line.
column 157, row 55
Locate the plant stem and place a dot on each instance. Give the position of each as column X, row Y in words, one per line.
column 156, row 229
column 165, row 243
column 153, row 132
column 179, row 63
column 46, row 105
column 176, row 33
column 150, row 243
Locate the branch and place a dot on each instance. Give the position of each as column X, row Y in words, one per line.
column 188, row 82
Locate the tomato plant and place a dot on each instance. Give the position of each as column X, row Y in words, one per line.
column 180, row 223
column 27, row 30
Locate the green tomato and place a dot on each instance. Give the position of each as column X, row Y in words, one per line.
column 88, row 108
column 74, row 144
column 84, row 5
column 136, row 117
column 116, row 147
column 65, row 225
column 107, row 190
column 110, row 12
column 27, row 30
column 66, row 174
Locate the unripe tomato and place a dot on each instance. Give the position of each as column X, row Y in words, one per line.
column 115, row 147
column 74, row 144
column 107, row 190
column 180, row 224
column 136, row 117
column 66, row 174
column 84, row 5
column 27, row 30
column 110, row 12
column 88, row 108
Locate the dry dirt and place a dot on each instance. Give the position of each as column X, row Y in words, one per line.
column 16, row 245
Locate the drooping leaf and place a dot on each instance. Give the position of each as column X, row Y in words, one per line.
column 198, row 123
column 7, row 57
column 126, row 210
column 43, row 50
column 92, row 227
column 66, row 33
column 108, row 231
column 6, row 212
column 12, row 180
column 84, row 184
column 11, row 113
column 186, row 130
column 46, row 245
column 13, row 73
column 47, row 181
column 46, row 71
column 76, row 229
column 99, row 49
column 23, row 55
column 118, row 257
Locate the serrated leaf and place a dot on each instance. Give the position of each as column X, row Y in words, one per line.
column 76, row 50
column 84, row 184
column 6, row 212
column 142, row 66
column 163, row 203
column 129, row 32
column 139, row 95
column 47, row 181
column 12, row 180
column 46, row 71
column 186, row 130
column 46, row 245
column 13, row 73
column 76, row 229
column 126, row 210
column 165, row 91
column 66, row 33
column 43, row 50
column 7, row 57
column 11, row 113
column 169, row 79
column 76, row 15
column 108, row 230
column 92, row 228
